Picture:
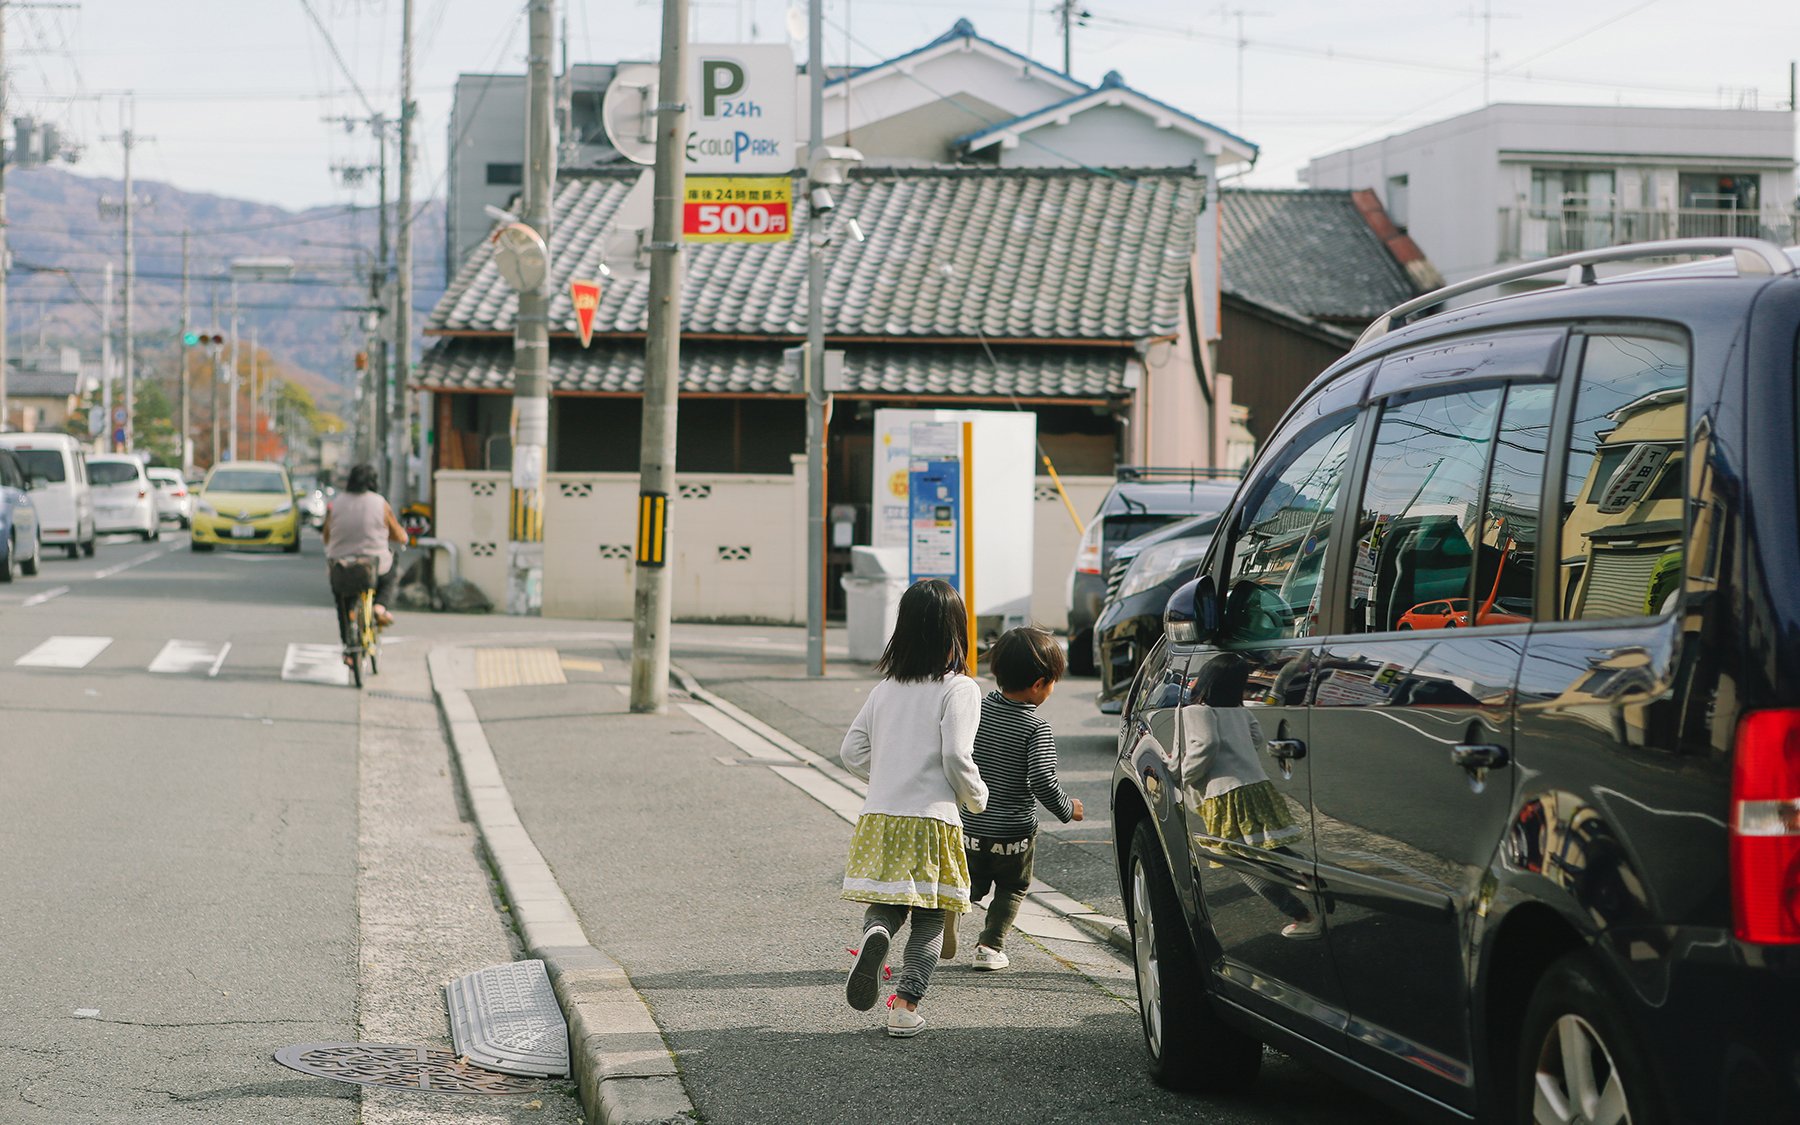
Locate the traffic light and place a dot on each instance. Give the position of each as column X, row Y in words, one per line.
column 191, row 339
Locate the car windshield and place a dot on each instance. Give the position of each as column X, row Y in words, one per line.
column 245, row 480
column 165, row 482
column 111, row 472
column 43, row 464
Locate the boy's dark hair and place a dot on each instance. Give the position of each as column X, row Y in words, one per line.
column 1023, row 656
column 931, row 634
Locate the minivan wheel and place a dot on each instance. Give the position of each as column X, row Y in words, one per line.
column 6, row 564
column 73, row 549
column 1578, row 1063
column 29, row 567
column 87, row 547
column 1190, row 1047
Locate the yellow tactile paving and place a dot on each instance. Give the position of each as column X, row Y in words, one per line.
column 582, row 664
column 517, row 667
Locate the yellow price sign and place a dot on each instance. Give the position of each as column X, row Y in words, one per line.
column 738, row 209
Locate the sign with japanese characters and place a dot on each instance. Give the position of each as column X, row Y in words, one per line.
column 741, row 109
column 737, row 209
column 585, row 296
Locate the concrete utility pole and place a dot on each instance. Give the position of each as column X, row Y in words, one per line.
column 186, row 449
column 128, row 206
column 231, row 381
column 250, row 398
column 106, row 374
column 531, row 332
column 393, row 450
column 3, row 249
column 212, row 353
column 815, row 352
column 662, row 377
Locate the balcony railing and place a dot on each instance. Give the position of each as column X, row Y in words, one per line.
column 1527, row 233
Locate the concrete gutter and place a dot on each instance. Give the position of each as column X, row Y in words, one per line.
column 621, row 1063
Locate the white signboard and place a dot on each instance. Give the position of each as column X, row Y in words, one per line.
column 741, row 109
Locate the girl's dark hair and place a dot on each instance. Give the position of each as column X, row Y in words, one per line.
column 1023, row 656
column 931, row 634
column 362, row 479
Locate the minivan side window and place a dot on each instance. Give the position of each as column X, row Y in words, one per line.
column 1417, row 528
column 1278, row 559
column 1623, row 487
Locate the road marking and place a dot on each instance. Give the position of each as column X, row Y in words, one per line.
column 316, row 664
column 177, row 657
column 139, row 561
column 64, row 652
column 40, row 599
column 220, row 662
column 517, row 667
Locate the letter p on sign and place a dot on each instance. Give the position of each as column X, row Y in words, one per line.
column 719, row 78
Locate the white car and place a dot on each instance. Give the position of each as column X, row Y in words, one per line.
column 173, row 500
column 122, row 495
column 56, row 466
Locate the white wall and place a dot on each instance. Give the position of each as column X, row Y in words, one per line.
column 1107, row 136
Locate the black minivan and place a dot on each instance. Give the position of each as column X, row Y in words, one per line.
column 1535, row 858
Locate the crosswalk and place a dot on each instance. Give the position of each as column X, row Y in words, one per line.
column 301, row 663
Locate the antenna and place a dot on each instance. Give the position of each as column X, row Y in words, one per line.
column 1225, row 14
column 1487, row 16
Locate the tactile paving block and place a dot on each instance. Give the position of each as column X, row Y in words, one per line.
column 505, row 1018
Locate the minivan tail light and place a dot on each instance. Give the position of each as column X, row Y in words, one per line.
column 1765, row 828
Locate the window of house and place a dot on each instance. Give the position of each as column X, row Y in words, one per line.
column 1396, row 200
column 1622, row 510
column 1279, row 557
column 1419, row 522
column 1720, row 191
column 506, row 173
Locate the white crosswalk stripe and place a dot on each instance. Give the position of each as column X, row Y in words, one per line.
column 318, row 664
column 64, row 652
column 179, row 657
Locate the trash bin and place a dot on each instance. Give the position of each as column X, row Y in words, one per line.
column 872, row 592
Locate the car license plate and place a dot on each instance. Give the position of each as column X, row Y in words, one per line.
column 243, row 531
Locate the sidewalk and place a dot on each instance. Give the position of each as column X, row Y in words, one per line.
column 741, row 957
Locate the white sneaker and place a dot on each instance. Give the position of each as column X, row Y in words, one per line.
column 1304, row 931
column 903, row 1024
column 986, row 958
column 864, row 984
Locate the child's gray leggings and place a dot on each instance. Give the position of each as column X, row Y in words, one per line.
column 923, row 943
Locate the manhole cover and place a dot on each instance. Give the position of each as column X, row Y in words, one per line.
column 399, row 1066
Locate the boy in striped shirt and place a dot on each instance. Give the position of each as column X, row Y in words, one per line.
column 1016, row 754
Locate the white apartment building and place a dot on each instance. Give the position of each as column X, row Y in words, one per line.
column 1511, row 183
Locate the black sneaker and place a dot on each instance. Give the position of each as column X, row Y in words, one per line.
column 864, row 984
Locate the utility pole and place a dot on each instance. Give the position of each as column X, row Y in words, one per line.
column 106, row 400
column 231, row 381
column 531, row 332
column 212, row 353
column 3, row 250
column 650, row 608
column 815, row 346
column 186, row 449
column 394, row 450
column 250, row 399
column 129, row 206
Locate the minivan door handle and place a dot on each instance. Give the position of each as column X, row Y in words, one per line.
column 1471, row 757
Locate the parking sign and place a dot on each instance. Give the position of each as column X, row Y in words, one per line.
column 741, row 110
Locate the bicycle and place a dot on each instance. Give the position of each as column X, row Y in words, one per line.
column 353, row 582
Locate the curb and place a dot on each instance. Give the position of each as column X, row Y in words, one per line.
column 617, row 1055
column 1115, row 932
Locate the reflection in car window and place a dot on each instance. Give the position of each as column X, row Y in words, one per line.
column 111, row 472
column 245, row 480
column 1279, row 557
column 1622, row 493
column 45, row 463
column 1506, row 563
column 1416, row 529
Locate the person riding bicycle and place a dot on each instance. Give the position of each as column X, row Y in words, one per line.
column 359, row 526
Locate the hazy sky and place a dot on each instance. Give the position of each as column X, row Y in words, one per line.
column 231, row 93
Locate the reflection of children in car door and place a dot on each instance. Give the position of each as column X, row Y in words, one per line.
column 1237, row 802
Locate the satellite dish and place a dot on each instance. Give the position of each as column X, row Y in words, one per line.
column 629, row 112
column 522, row 257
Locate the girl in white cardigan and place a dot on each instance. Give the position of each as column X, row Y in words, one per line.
column 913, row 742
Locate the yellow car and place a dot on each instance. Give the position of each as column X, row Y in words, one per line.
column 246, row 504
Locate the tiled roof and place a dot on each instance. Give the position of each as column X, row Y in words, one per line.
column 41, row 384
column 1047, row 254
column 1308, row 251
column 617, row 366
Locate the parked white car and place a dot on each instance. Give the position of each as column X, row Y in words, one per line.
column 57, row 468
column 122, row 495
column 173, row 500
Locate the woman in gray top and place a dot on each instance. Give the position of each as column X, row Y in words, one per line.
column 359, row 524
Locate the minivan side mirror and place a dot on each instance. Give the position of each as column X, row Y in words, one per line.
column 32, row 484
column 1192, row 616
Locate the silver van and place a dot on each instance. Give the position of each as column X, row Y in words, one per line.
column 57, row 467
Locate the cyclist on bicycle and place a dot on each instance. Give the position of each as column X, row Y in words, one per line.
column 359, row 526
